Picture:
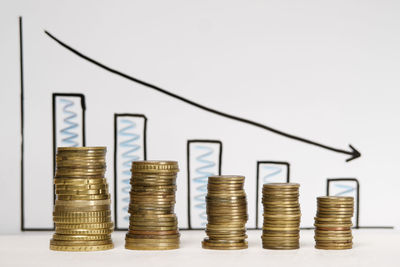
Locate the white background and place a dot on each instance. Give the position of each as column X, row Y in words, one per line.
column 323, row 70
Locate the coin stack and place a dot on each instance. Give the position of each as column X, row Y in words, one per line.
column 81, row 214
column 153, row 224
column 226, row 213
column 333, row 222
column 282, row 215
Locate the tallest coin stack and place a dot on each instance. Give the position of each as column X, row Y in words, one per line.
column 81, row 214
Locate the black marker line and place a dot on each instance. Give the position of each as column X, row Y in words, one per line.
column 22, row 101
column 287, row 164
column 354, row 153
column 188, row 184
column 116, row 116
column 115, row 172
column 257, row 185
column 21, row 65
column 202, row 141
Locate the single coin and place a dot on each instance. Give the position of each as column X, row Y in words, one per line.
column 89, row 208
column 81, row 237
column 154, row 166
column 81, row 248
column 80, row 242
column 69, row 220
column 79, row 214
column 83, row 197
column 80, row 181
column 78, row 203
column 84, row 231
column 207, row 245
column 88, row 226
column 147, row 232
column 138, row 247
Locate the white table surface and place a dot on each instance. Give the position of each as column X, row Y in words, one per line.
column 372, row 248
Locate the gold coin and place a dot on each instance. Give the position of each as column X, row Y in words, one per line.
column 149, row 241
column 89, row 208
column 82, row 187
column 84, row 231
column 81, row 237
column 147, row 236
column 153, row 247
column 81, row 248
column 79, row 214
column 80, row 181
column 208, row 245
column 80, row 242
column 66, row 220
column 83, row 197
column 89, row 226
column 87, row 149
column 154, row 166
column 74, row 193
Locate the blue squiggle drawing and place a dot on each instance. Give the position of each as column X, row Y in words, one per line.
column 130, row 148
column 68, row 132
column 273, row 171
column 346, row 189
column 203, row 172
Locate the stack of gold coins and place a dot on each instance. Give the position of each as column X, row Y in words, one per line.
column 282, row 215
column 333, row 222
column 226, row 213
column 81, row 214
column 153, row 224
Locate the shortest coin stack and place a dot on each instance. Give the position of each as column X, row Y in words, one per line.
column 281, row 216
column 226, row 213
column 333, row 222
column 81, row 214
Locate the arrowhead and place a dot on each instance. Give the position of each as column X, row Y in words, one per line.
column 354, row 154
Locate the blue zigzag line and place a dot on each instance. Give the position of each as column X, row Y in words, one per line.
column 70, row 135
column 130, row 148
column 203, row 173
column 347, row 189
column 274, row 171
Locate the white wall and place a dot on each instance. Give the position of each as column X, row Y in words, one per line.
column 326, row 71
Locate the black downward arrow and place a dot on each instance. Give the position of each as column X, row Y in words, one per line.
column 354, row 153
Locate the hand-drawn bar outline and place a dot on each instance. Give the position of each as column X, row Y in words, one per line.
column 357, row 208
column 188, row 171
column 284, row 163
column 116, row 116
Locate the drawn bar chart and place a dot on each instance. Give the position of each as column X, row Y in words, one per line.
column 269, row 172
column 349, row 187
column 204, row 160
column 129, row 145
